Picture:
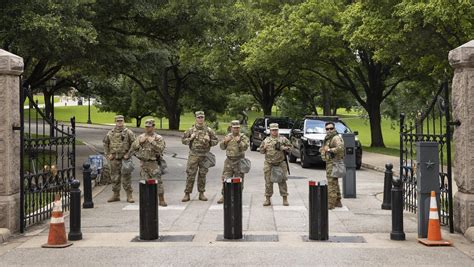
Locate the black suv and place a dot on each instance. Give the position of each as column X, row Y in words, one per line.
column 260, row 129
column 307, row 137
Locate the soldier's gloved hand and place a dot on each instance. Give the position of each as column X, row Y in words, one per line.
column 207, row 138
column 192, row 136
column 110, row 157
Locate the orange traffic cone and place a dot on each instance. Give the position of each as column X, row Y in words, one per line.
column 434, row 229
column 57, row 230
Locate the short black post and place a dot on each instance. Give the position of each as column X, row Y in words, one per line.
column 387, row 187
column 318, row 211
column 397, row 210
column 148, row 210
column 233, row 208
column 87, row 180
column 75, row 218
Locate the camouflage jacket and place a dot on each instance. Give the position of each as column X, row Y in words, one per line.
column 336, row 148
column 117, row 142
column 235, row 149
column 272, row 154
column 148, row 151
column 204, row 139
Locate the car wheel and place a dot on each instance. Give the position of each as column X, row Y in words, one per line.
column 253, row 147
column 291, row 158
column 303, row 160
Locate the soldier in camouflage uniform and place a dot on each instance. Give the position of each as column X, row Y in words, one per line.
column 117, row 142
column 333, row 148
column 235, row 144
column 148, row 148
column 274, row 147
column 200, row 138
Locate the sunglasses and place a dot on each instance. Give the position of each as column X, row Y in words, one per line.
column 329, row 129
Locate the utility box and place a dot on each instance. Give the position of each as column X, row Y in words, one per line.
column 349, row 180
column 427, row 180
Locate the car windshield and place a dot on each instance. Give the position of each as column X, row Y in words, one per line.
column 282, row 123
column 317, row 126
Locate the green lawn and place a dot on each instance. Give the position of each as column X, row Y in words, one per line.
column 40, row 99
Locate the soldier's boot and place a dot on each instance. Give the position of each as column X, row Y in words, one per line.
column 285, row 201
column 221, row 200
column 186, row 197
column 338, row 204
column 115, row 197
column 267, row 202
column 162, row 200
column 130, row 197
column 202, row 197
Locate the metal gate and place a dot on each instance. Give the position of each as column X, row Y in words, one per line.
column 47, row 158
column 432, row 125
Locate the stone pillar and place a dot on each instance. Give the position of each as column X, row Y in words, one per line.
column 462, row 60
column 11, row 66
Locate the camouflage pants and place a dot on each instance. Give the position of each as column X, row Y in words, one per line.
column 334, row 191
column 195, row 166
column 232, row 169
column 151, row 170
column 267, row 170
column 117, row 177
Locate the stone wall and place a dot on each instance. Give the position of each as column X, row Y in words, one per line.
column 11, row 66
column 462, row 60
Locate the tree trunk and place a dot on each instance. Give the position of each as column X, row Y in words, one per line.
column 47, row 104
column 334, row 112
column 326, row 102
column 174, row 115
column 268, row 98
column 375, row 119
column 138, row 121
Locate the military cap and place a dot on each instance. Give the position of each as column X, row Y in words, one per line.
column 149, row 123
column 273, row 126
column 235, row 124
column 199, row 113
column 119, row 118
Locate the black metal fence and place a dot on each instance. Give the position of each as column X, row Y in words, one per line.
column 47, row 162
column 433, row 125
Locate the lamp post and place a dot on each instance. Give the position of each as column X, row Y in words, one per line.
column 51, row 83
column 89, row 85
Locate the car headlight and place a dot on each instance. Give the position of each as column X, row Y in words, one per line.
column 315, row 142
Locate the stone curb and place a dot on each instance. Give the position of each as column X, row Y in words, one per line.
column 4, row 235
column 377, row 168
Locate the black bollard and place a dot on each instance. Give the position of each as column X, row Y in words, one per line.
column 233, row 208
column 148, row 210
column 318, row 211
column 75, row 218
column 387, row 187
column 397, row 210
column 86, row 175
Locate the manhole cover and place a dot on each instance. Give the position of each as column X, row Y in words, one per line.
column 339, row 239
column 168, row 238
column 297, row 177
column 251, row 238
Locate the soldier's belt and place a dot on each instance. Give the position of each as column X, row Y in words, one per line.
column 235, row 158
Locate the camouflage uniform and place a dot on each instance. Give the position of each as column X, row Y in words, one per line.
column 274, row 157
column 149, row 154
column 336, row 151
column 204, row 139
column 117, row 142
column 235, row 150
